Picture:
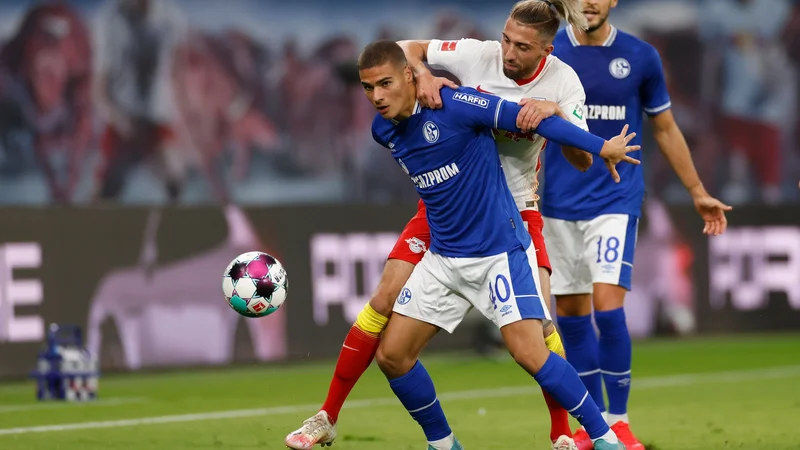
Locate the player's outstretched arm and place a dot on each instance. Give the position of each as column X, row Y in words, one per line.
column 673, row 145
column 534, row 111
column 481, row 110
column 567, row 134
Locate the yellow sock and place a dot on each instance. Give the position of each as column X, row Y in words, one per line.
column 554, row 344
column 370, row 321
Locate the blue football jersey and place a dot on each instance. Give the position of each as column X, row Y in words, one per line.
column 623, row 80
column 451, row 156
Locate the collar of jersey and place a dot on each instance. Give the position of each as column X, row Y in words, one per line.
column 417, row 109
column 609, row 40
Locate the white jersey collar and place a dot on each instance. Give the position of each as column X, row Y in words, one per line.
column 417, row 109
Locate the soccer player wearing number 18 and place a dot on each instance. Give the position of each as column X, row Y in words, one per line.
column 591, row 223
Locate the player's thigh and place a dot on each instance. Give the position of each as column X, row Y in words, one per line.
column 430, row 294
column 395, row 274
column 570, row 275
column 402, row 342
column 544, row 287
column 525, row 342
column 610, row 247
column 406, row 253
column 424, row 306
column 505, row 287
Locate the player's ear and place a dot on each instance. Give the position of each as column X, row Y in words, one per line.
column 549, row 50
column 614, row 3
column 408, row 75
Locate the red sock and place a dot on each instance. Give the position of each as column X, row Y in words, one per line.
column 357, row 353
column 559, row 418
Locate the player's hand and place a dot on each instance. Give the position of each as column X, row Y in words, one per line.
column 428, row 87
column 534, row 111
column 616, row 150
column 713, row 213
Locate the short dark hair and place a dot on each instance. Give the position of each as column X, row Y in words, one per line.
column 381, row 52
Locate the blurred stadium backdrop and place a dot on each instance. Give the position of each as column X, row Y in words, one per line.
column 115, row 169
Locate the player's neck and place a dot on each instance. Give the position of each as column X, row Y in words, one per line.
column 408, row 111
column 597, row 37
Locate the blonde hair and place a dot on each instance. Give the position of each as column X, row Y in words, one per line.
column 546, row 15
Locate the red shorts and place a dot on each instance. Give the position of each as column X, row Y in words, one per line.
column 416, row 238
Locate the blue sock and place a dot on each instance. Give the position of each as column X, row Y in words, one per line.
column 416, row 392
column 615, row 358
column 580, row 343
column 561, row 381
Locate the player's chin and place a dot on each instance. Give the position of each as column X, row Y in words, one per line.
column 512, row 74
column 383, row 111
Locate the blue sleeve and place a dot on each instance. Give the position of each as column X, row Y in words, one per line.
column 472, row 108
column 566, row 133
column 481, row 110
column 653, row 91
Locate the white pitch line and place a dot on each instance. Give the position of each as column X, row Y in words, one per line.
column 112, row 401
column 639, row 384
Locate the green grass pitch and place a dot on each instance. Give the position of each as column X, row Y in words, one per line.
column 712, row 393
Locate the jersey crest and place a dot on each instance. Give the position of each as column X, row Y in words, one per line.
column 430, row 131
column 620, row 68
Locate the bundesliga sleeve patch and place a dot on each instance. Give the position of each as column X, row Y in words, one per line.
column 578, row 112
column 448, row 46
column 470, row 99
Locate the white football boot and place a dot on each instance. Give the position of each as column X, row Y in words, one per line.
column 564, row 443
column 448, row 443
column 317, row 429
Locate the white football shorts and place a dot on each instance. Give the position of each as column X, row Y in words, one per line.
column 585, row 252
column 504, row 288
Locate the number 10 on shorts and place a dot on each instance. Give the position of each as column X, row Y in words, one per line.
column 608, row 249
column 500, row 290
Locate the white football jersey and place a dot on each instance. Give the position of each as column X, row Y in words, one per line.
column 479, row 64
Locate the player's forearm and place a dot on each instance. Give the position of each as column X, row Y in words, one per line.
column 673, row 145
column 553, row 128
column 416, row 55
column 568, row 134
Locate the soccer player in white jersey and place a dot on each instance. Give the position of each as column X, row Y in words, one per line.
column 591, row 224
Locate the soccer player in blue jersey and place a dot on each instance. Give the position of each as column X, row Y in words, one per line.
column 480, row 254
column 591, row 223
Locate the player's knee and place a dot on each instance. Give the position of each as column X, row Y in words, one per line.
column 532, row 357
column 526, row 344
column 574, row 305
column 608, row 297
column 392, row 362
